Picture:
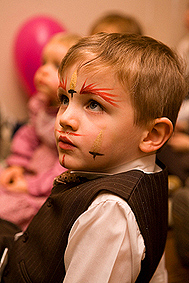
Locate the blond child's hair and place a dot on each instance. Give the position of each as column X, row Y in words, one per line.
column 65, row 38
column 147, row 69
column 114, row 22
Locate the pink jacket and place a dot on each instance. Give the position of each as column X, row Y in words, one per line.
column 33, row 147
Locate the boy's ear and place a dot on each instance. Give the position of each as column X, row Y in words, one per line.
column 155, row 138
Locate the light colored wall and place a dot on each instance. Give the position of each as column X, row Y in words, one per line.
column 161, row 19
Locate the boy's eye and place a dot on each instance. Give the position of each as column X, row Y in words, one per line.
column 63, row 99
column 95, row 106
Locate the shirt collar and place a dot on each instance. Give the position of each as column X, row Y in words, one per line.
column 146, row 164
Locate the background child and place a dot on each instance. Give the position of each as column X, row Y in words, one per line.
column 106, row 221
column 114, row 22
column 33, row 162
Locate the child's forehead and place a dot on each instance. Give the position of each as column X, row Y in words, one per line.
column 53, row 46
column 48, row 50
column 100, row 83
column 75, row 76
column 87, row 67
column 54, row 50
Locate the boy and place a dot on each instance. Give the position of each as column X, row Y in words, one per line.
column 115, row 22
column 106, row 221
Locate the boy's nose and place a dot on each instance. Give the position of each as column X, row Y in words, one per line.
column 70, row 119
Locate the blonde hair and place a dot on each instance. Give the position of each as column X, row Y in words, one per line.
column 64, row 38
column 114, row 22
column 150, row 71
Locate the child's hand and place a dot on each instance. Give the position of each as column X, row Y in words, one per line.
column 12, row 178
column 18, row 186
column 179, row 142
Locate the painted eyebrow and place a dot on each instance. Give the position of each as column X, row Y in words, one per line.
column 63, row 84
column 92, row 89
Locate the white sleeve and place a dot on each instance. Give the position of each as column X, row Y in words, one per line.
column 105, row 244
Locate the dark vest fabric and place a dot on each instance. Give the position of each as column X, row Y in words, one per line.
column 38, row 255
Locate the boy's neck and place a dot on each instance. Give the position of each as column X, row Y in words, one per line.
column 146, row 164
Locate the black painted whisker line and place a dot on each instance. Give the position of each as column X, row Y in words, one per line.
column 95, row 154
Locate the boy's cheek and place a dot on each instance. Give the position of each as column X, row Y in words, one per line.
column 56, row 124
column 61, row 158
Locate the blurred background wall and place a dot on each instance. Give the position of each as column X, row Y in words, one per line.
column 161, row 19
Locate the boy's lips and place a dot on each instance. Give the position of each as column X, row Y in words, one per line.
column 65, row 143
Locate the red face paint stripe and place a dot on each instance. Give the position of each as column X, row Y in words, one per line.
column 63, row 159
column 63, row 84
column 99, row 91
column 69, row 133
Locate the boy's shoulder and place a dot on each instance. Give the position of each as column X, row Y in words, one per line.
column 120, row 183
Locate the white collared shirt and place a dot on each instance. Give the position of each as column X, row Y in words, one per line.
column 105, row 243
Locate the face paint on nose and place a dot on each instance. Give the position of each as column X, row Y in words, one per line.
column 73, row 83
column 96, row 146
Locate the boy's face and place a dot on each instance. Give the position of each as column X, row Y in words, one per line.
column 95, row 128
column 46, row 77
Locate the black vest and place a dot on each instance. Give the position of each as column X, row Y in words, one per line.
column 38, row 256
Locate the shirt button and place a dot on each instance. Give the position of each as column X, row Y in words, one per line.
column 25, row 237
column 49, row 202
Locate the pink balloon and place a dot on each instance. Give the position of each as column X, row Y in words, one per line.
column 28, row 46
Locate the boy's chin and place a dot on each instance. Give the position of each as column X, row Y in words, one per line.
column 91, row 165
